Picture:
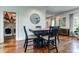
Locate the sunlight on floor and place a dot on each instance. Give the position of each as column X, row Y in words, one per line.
column 75, row 47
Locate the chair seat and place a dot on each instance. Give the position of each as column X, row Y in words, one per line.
column 51, row 40
column 31, row 37
column 46, row 38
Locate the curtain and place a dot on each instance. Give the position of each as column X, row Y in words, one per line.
column 71, row 24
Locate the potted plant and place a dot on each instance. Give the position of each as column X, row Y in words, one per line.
column 77, row 31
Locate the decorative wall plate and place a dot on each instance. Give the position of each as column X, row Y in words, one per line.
column 35, row 18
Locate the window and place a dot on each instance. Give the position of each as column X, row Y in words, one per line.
column 76, row 23
column 62, row 22
column 53, row 22
column 50, row 21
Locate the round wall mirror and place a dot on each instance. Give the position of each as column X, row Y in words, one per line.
column 35, row 18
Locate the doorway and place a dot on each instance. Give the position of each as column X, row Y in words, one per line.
column 9, row 26
column 50, row 21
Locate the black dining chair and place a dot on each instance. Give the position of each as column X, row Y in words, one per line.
column 52, row 38
column 27, row 40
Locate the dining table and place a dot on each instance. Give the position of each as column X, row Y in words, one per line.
column 39, row 32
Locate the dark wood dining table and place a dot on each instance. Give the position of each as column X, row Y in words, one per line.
column 39, row 33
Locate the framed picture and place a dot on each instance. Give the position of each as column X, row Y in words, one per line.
column 62, row 22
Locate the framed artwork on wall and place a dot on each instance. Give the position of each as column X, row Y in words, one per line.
column 62, row 22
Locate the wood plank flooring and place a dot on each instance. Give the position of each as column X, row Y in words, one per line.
column 66, row 45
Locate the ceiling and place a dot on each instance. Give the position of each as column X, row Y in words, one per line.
column 59, row 9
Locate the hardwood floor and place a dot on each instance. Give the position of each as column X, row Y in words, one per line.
column 66, row 45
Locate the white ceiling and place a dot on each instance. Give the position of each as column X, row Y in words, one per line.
column 59, row 9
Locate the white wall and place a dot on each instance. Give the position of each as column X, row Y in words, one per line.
column 22, row 18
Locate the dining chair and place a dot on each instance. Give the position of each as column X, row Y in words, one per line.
column 53, row 37
column 27, row 40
